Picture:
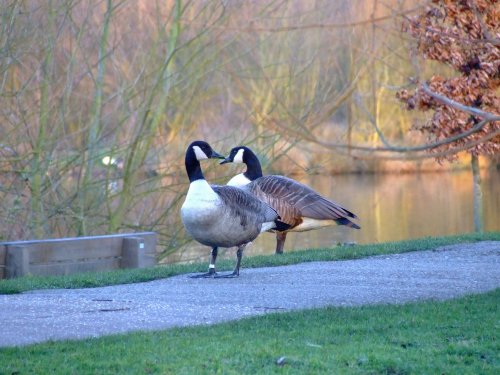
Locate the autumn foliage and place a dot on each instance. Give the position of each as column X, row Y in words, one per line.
column 465, row 36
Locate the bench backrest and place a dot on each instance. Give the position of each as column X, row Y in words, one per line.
column 65, row 256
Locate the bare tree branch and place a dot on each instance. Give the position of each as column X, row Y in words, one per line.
column 252, row 28
column 372, row 120
column 447, row 101
column 420, row 156
column 427, row 147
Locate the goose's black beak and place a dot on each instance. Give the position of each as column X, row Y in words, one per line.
column 226, row 160
column 216, row 155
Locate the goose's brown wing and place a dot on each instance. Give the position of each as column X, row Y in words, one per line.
column 271, row 191
column 294, row 200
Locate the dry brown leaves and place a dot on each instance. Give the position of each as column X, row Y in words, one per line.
column 464, row 35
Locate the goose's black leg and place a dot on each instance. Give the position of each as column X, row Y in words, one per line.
column 211, row 268
column 236, row 272
column 280, row 242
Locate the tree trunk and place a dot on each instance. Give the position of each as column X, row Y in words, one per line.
column 478, row 195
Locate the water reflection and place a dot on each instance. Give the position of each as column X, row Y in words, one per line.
column 391, row 207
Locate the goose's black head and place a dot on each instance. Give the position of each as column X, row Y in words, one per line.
column 245, row 155
column 238, row 154
column 195, row 152
column 202, row 150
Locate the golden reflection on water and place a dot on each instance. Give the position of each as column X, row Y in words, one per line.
column 391, row 207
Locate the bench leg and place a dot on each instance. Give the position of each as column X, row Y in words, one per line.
column 17, row 262
column 133, row 252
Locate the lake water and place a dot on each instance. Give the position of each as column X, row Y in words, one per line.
column 390, row 207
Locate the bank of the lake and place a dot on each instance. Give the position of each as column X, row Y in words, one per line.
column 454, row 336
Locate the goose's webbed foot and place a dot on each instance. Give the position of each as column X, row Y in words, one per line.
column 210, row 274
column 228, row 275
column 236, row 271
column 211, row 268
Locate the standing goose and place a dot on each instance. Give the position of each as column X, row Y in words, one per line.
column 299, row 206
column 221, row 216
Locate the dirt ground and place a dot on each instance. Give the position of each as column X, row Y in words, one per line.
column 443, row 273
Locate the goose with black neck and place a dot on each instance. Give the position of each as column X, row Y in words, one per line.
column 300, row 207
column 221, row 216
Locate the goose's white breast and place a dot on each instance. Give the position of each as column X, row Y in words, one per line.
column 238, row 180
column 200, row 199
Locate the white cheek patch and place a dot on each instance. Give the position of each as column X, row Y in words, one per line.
column 238, row 158
column 200, row 155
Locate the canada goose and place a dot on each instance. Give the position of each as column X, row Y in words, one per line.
column 298, row 205
column 221, row 216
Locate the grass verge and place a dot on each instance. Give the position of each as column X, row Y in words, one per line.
column 451, row 337
column 94, row 279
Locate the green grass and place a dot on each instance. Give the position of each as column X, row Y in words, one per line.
column 87, row 280
column 452, row 337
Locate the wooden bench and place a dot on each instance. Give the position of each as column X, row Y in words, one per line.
column 66, row 256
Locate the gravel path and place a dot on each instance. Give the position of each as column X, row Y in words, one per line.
column 443, row 273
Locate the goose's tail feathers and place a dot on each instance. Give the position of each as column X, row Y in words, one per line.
column 345, row 221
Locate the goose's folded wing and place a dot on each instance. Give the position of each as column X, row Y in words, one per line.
column 274, row 191
column 290, row 197
column 241, row 202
